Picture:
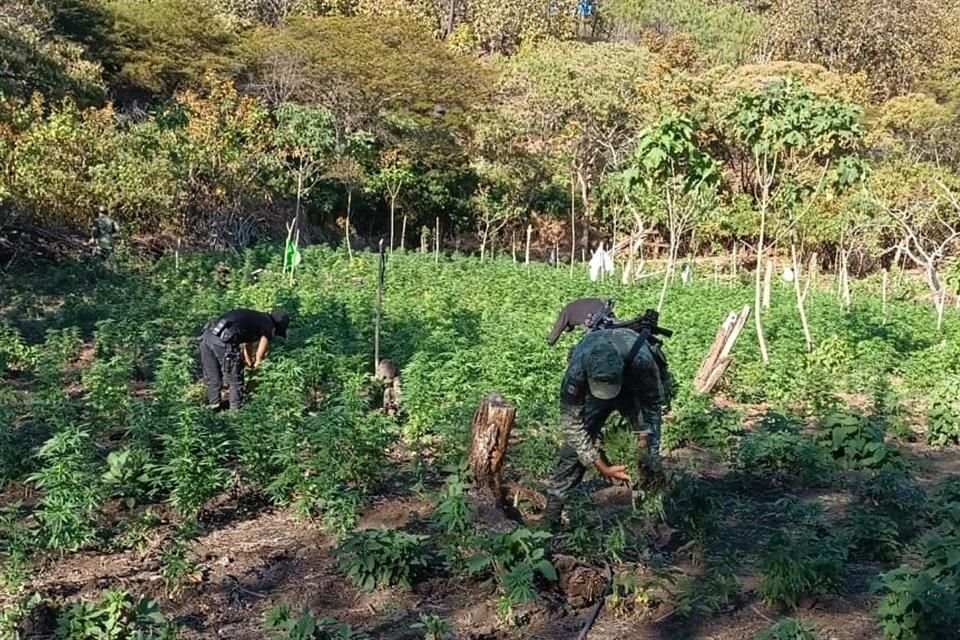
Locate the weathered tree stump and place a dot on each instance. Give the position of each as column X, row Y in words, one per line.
column 492, row 424
column 718, row 358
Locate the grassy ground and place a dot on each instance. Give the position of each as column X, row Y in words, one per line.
column 220, row 519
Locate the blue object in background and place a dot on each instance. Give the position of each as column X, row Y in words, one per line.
column 586, row 7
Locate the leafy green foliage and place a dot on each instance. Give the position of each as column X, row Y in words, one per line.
column 131, row 476
column 285, row 626
column 71, row 490
column 796, row 567
column 17, row 543
column 783, row 455
column 915, row 606
column 434, row 627
column 117, row 616
column 943, row 417
column 787, row 629
column 873, row 536
column 382, row 557
column 855, row 443
column 700, row 423
column 516, row 558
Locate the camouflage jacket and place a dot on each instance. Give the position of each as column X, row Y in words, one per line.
column 641, row 393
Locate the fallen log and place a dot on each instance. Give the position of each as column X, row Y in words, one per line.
column 718, row 358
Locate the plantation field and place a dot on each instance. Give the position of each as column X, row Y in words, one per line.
column 819, row 487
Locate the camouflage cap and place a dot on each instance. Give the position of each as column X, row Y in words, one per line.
column 604, row 369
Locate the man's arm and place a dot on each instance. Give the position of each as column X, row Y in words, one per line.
column 262, row 349
column 574, row 429
column 247, row 351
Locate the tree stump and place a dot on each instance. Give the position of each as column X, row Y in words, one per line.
column 718, row 358
column 492, row 424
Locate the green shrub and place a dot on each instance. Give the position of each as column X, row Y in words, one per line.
column 856, row 443
column 131, row 476
column 306, row 626
column 700, row 423
column 515, row 559
column 783, row 455
column 71, row 490
column 691, row 507
column 787, row 629
column 434, row 627
column 914, row 606
column 872, row 536
column 382, row 557
column 796, row 567
column 943, row 416
column 891, row 494
column 116, row 617
column 943, row 508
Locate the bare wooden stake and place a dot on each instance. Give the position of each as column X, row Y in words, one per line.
column 403, row 230
column 718, row 358
column 886, row 278
column 767, row 283
column 529, row 236
column 436, row 243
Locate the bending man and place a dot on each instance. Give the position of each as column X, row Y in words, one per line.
column 611, row 369
column 227, row 344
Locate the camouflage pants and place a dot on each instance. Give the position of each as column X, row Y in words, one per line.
column 590, row 417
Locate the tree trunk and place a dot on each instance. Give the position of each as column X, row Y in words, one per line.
column 884, row 285
column 718, row 358
column 492, row 424
column 758, row 323
column 393, row 218
column 671, row 259
column 801, row 309
column 767, row 283
column 299, row 196
column 529, row 235
column 349, row 206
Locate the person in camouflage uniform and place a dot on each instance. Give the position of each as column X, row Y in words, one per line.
column 104, row 234
column 611, row 369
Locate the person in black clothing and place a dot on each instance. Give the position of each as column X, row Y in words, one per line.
column 574, row 315
column 227, row 343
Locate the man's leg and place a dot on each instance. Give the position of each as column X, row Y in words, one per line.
column 212, row 374
column 233, row 369
column 570, row 470
column 568, row 474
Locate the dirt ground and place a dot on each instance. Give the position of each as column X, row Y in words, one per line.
column 256, row 556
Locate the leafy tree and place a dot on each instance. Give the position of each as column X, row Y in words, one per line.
column 393, row 174
column 895, row 43
column 724, row 32
column 164, row 46
column 34, row 57
column 303, row 141
column 789, row 137
column 670, row 162
column 582, row 104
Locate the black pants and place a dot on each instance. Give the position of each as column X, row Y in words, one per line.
column 221, row 360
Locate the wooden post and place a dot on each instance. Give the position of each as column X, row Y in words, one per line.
column 735, row 267
column 556, row 253
column 718, row 358
column 436, row 243
column 513, row 246
column 767, row 282
column 381, row 268
column 176, row 256
column 529, row 236
column 886, row 277
column 403, row 230
column 492, row 424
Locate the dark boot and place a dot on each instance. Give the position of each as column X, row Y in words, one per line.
column 551, row 519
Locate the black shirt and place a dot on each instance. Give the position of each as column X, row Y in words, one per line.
column 573, row 315
column 243, row 325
